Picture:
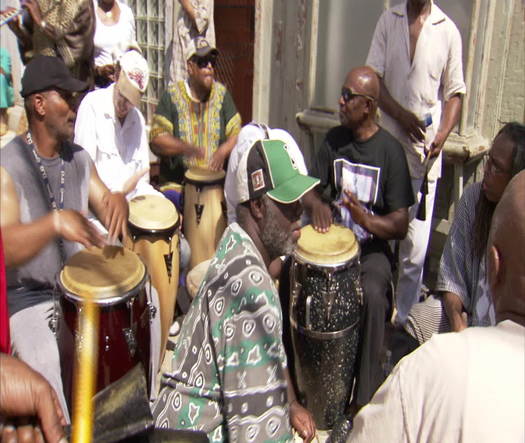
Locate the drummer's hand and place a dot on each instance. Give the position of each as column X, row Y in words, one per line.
column 25, row 393
column 355, row 207
column 34, row 11
column 302, row 421
column 321, row 217
column 217, row 160
column 131, row 183
column 73, row 226
column 116, row 214
column 193, row 151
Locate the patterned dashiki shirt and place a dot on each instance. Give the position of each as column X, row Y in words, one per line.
column 207, row 124
column 228, row 370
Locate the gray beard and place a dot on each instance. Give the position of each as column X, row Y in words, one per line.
column 275, row 241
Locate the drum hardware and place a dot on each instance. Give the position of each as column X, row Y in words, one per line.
column 324, row 335
column 308, row 318
column 129, row 335
column 167, row 261
column 152, row 311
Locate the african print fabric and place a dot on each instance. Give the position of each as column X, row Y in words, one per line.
column 228, row 370
column 205, row 124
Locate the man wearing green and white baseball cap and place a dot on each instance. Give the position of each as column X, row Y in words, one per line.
column 230, row 376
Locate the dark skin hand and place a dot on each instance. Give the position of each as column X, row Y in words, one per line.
column 320, row 212
column 26, row 395
column 302, row 421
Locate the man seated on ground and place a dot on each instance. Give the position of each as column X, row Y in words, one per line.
column 466, row 386
column 368, row 164
column 47, row 184
column 464, row 299
column 196, row 122
column 229, row 374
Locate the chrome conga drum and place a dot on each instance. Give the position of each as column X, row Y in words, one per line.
column 204, row 212
column 325, row 306
column 153, row 227
column 116, row 279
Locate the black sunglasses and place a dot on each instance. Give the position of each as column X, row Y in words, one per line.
column 202, row 62
column 348, row 94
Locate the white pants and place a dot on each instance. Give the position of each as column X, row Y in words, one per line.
column 412, row 252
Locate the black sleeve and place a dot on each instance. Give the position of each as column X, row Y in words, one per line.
column 398, row 185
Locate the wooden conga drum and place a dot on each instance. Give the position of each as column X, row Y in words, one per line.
column 153, row 228
column 115, row 278
column 204, row 212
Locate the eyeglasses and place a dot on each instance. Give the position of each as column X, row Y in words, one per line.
column 348, row 94
column 491, row 165
column 202, row 62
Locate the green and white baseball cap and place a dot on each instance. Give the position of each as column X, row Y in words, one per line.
column 268, row 168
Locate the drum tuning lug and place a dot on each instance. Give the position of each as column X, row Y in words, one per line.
column 168, row 260
column 131, row 341
column 308, row 322
column 152, row 312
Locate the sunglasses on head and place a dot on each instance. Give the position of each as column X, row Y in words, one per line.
column 202, row 62
column 348, row 94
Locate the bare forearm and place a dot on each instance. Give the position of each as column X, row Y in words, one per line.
column 393, row 226
column 228, row 145
column 451, row 114
column 187, row 6
column 168, row 145
column 289, row 390
column 24, row 241
column 454, row 310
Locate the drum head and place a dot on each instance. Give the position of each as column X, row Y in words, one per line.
column 153, row 213
column 105, row 273
column 335, row 247
column 204, row 176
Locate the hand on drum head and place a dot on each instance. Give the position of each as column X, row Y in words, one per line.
column 73, row 226
column 321, row 217
column 25, row 393
column 302, row 421
column 217, row 160
column 116, row 213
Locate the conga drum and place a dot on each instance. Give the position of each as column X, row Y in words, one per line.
column 204, row 212
column 325, row 306
column 115, row 278
column 153, row 235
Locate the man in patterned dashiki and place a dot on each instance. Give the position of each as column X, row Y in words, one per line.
column 229, row 374
column 196, row 122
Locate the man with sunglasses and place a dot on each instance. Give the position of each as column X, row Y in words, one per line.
column 416, row 54
column 196, row 122
column 47, row 185
column 365, row 182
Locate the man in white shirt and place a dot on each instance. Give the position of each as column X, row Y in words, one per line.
column 416, row 53
column 112, row 130
column 248, row 135
column 465, row 386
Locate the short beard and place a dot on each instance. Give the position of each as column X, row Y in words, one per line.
column 275, row 241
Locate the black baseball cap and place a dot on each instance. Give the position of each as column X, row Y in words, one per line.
column 44, row 73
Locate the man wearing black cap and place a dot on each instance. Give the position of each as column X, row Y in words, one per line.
column 47, row 184
column 196, row 122
column 229, row 375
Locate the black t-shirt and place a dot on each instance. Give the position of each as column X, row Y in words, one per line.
column 382, row 169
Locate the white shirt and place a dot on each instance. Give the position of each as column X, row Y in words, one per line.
column 433, row 77
column 457, row 387
column 112, row 41
column 118, row 151
column 248, row 135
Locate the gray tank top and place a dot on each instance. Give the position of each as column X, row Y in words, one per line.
column 32, row 282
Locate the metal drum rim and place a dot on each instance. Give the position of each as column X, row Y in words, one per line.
column 323, row 335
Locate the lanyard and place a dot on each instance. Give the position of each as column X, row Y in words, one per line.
column 45, row 178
